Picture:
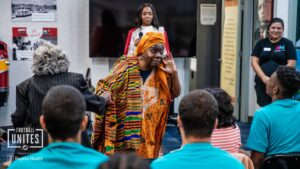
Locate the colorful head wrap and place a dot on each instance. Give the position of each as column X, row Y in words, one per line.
column 148, row 40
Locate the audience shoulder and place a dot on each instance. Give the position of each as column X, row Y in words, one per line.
column 97, row 154
column 231, row 160
column 161, row 162
column 261, row 111
column 166, row 160
column 26, row 162
column 170, row 160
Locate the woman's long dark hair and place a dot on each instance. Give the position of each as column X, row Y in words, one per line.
column 155, row 21
column 225, row 115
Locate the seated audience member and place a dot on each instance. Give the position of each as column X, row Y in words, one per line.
column 63, row 117
column 125, row 161
column 227, row 135
column 50, row 68
column 274, row 129
column 197, row 119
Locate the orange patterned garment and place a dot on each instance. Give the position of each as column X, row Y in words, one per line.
column 137, row 119
column 156, row 100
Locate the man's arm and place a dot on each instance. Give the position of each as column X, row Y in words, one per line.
column 94, row 103
column 257, row 158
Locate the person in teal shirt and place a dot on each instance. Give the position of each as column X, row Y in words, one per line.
column 63, row 117
column 275, row 127
column 197, row 118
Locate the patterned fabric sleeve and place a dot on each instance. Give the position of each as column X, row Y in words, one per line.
column 110, row 84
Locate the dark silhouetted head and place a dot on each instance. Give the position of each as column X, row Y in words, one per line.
column 198, row 113
column 225, row 115
column 284, row 82
column 63, row 110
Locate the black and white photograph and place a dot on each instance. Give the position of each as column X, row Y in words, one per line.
column 33, row 10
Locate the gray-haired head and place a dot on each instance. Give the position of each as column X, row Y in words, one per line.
column 48, row 59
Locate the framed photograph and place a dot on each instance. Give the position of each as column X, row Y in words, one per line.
column 26, row 40
column 263, row 13
column 33, row 10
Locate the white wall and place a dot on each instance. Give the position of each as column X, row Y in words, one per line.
column 281, row 10
column 73, row 37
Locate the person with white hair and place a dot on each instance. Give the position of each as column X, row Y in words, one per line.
column 50, row 67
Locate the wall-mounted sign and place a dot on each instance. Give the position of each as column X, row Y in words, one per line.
column 208, row 14
column 229, row 48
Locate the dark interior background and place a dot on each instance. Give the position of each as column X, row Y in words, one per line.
column 110, row 21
